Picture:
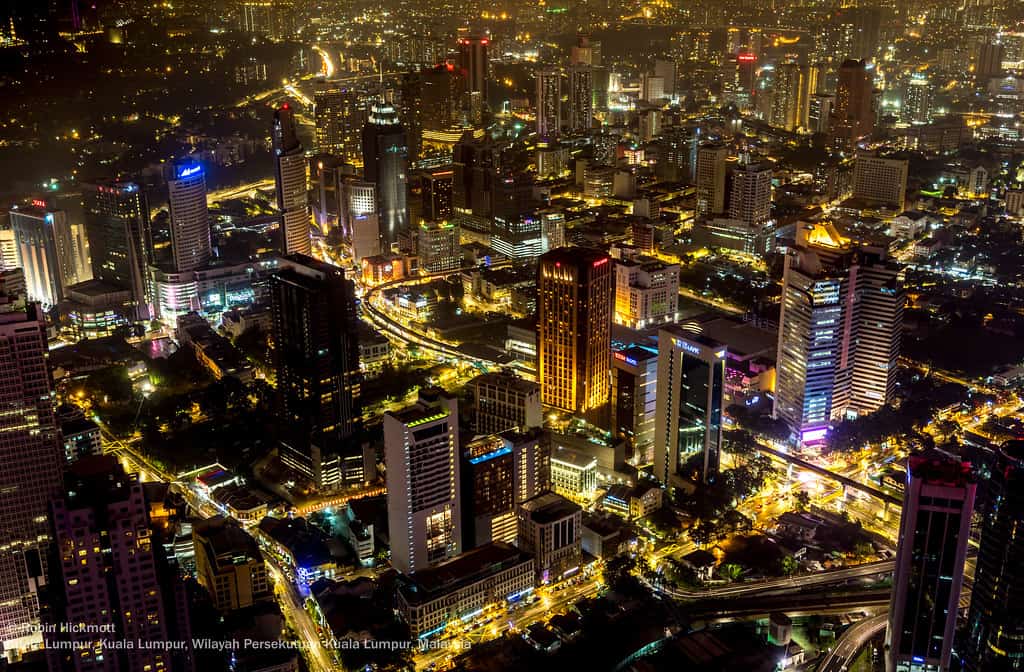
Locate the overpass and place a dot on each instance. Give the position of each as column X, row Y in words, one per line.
column 821, row 471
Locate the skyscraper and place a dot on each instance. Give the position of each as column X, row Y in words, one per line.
column 385, row 161
column 316, row 359
column 581, row 110
column 503, row 401
column 120, row 244
column 290, row 180
column 989, row 62
column 711, row 159
column 574, row 308
column 935, row 525
column 421, row 452
column 853, row 116
column 339, row 117
column 436, row 187
column 995, row 620
column 33, row 459
column 110, row 574
column 750, row 200
column 549, row 103
column 839, row 333
column 791, row 96
column 688, row 419
column 190, row 221
column 51, row 251
column 475, row 67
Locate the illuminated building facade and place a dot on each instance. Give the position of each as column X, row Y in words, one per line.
column 646, row 292
column 839, row 334
column 574, row 330
column 421, row 452
column 995, row 619
column 711, row 160
column 118, row 228
column 581, row 110
column 190, row 221
column 51, row 251
column 290, row 181
column 33, row 458
column 436, row 186
column 438, row 246
column 549, row 103
column 316, row 359
column 935, row 525
column 551, row 528
column 853, row 115
column 498, row 474
column 634, row 400
column 111, row 574
column 504, row 401
column 385, row 162
column 340, row 113
column 690, row 401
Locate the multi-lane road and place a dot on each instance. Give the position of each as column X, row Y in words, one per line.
column 851, row 643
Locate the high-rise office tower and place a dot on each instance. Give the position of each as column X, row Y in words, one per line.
column 190, row 221
column 436, row 186
column 120, row 243
column 935, row 524
column 52, row 251
column 989, row 62
column 688, row 418
column 666, row 70
column 710, row 179
column 549, row 103
column 498, row 474
column 440, row 96
column 880, row 181
column 750, row 200
column 791, row 96
column 360, row 219
column 385, row 161
column 581, row 109
column 316, row 359
column 474, row 64
column 257, row 16
column 853, row 116
column 552, row 229
column 839, row 333
column 290, row 179
column 994, row 635
column 437, row 244
column 502, row 401
column 421, row 452
column 111, row 576
column 574, row 308
column 634, row 397
column 33, row 459
column 339, row 116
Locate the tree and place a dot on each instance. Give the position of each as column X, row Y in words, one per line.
column 803, row 500
column 788, row 565
column 863, row 550
column 704, row 532
column 731, row 571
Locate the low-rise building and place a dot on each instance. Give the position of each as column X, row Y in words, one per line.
column 300, row 546
column 550, row 527
column 489, row 575
column 229, row 564
column 81, row 438
column 573, row 474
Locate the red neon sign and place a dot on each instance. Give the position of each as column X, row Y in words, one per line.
column 600, row 262
column 39, row 203
column 746, row 58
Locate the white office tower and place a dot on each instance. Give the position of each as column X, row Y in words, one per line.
column 549, row 103
column 360, row 221
column 421, row 453
column 290, row 181
column 190, row 220
column 839, row 334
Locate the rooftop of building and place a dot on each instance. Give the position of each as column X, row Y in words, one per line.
column 549, row 507
column 506, row 378
column 304, row 541
column 742, row 338
column 462, row 570
column 78, row 425
column 573, row 457
column 226, row 541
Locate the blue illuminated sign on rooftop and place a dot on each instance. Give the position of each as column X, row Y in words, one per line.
column 491, row 455
column 189, row 171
